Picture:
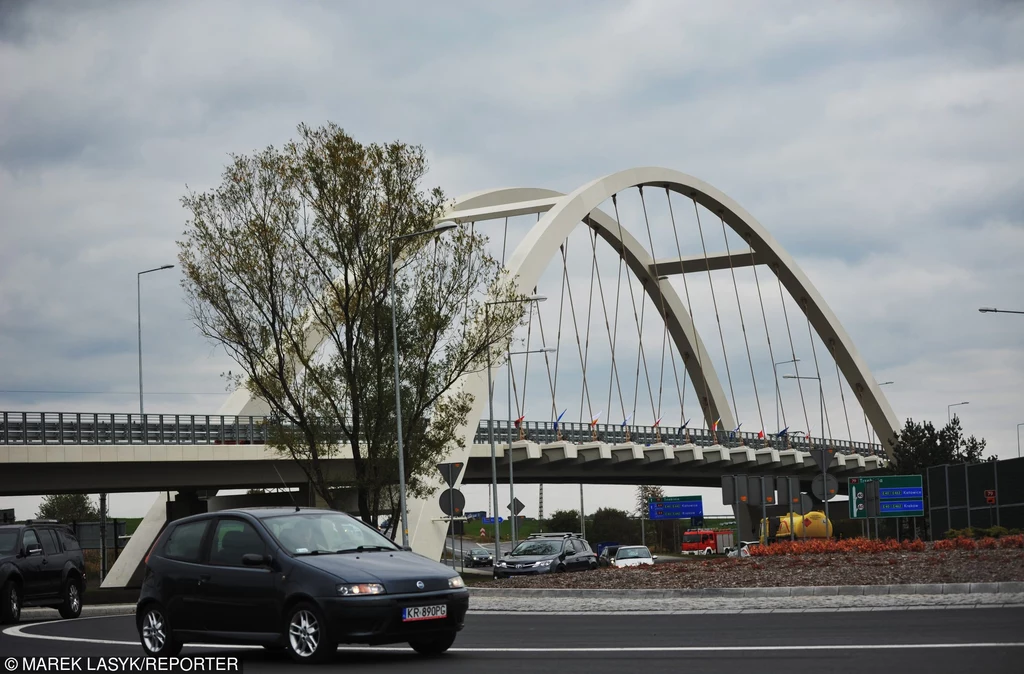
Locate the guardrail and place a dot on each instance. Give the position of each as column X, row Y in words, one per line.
column 74, row 428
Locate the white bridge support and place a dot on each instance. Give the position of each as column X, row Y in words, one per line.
column 561, row 213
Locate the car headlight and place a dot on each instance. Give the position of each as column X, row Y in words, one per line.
column 501, row 563
column 544, row 562
column 456, row 582
column 360, row 589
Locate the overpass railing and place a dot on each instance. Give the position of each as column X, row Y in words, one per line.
column 64, row 428
column 544, row 432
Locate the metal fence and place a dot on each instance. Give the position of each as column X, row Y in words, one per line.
column 978, row 495
column 64, row 428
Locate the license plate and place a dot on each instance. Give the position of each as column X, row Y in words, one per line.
column 413, row 613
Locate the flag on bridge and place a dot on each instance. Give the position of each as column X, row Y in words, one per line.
column 519, row 421
column 685, row 424
column 760, row 434
column 714, row 426
column 626, row 420
column 593, row 422
column 658, row 422
column 560, row 418
column 784, row 431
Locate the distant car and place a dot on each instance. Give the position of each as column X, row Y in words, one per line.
column 547, row 553
column 633, row 555
column 302, row 581
column 607, row 555
column 477, row 556
column 41, row 564
column 742, row 549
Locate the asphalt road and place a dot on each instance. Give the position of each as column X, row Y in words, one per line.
column 945, row 640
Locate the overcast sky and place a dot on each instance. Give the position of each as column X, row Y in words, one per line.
column 880, row 143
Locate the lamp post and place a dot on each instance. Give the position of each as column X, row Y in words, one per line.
column 949, row 409
column 142, row 418
column 992, row 310
column 490, row 421
column 398, row 386
column 824, row 461
column 1018, row 439
column 874, row 436
column 138, row 291
column 778, row 392
column 511, row 481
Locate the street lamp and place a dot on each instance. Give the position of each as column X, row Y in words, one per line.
column 949, row 409
column 490, row 420
column 992, row 310
column 398, row 387
column 142, row 418
column 824, row 460
column 511, row 480
column 1018, row 439
column 138, row 289
column 778, row 392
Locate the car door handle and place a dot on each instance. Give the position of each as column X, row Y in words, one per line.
column 44, row 561
column 203, row 579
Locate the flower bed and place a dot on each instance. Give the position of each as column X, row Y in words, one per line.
column 866, row 546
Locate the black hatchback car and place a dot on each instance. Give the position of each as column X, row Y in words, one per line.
column 298, row 580
column 41, row 564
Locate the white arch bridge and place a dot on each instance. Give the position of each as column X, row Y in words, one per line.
column 678, row 341
column 633, row 298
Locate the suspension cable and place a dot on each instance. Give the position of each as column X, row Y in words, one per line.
column 590, row 310
column 693, row 321
column 718, row 319
column 615, row 331
column 792, row 348
column 842, row 395
column 827, row 428
column 743, row 325
column 641, row 353
column 558, row 337
column 579, row 345
column 664, row 314
column 771, row 352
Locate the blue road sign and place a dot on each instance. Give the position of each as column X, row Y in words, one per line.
column 902, row 507
column 490, row 520
column 675, row 510
column 911, row 493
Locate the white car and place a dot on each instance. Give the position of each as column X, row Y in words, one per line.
column 633, row 555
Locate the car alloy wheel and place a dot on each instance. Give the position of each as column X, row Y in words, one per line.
column 14, row 605
column 156, row 634
column 304, row 633
column 74, row 601
column 71, row 607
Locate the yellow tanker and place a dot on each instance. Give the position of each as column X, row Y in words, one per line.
column 808, row 525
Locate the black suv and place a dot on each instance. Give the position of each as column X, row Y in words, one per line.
column 301, row 580
column 41, row 564
column 546, row 553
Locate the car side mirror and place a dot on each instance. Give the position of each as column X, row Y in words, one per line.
column 253, row 559
column 407, row 548
column 654, row 556
column 33, row 550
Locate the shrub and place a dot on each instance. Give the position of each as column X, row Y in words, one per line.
column 947, row 544
column 1012, row 541
column 997, row 532
column 988, row 543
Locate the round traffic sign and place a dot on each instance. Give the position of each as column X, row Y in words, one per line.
column 452, row 502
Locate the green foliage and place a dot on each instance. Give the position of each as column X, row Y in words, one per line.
column 67, row 508
column 564, row 520
column 973, row 532
column 287, row 267
column 920, row 446
column 610, row 524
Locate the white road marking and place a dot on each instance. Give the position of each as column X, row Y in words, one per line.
column 18, row 631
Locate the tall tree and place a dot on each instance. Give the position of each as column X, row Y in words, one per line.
column 286, row 267
column 644, row 493
column 67, row 508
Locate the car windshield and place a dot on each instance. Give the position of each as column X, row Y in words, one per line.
column 480, row 551
column 632, row 553
column 310, row 533
column 537, row 548
column 8, row 541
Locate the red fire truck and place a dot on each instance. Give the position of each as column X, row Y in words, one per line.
column 706, row 542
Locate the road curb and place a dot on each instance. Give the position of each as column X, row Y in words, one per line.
column 754, row 592
column 87, row 611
